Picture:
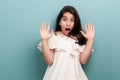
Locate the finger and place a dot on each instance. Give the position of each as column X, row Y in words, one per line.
column 40, row 30
column 85, row 26
column 42, row 27
column 48, row 27
column 89, row 25
column 94, row 28
column 51, row 33
column 83, row 33
column 44, row 24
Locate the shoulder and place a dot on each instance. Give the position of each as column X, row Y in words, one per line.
column 57, row 33
column 53, row 37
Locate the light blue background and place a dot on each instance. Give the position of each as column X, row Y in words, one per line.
column 19, row 36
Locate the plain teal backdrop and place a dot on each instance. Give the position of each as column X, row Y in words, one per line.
column 19, row 36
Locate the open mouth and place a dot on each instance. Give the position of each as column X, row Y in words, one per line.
column 67, row 29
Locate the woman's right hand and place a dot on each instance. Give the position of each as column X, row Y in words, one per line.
column 45, row 31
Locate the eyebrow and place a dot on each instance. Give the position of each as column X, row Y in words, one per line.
column 65, row 17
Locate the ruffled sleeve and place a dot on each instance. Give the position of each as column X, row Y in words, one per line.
column 40, row 46
column 78, row 48
column 51, row 43
column 81, row 48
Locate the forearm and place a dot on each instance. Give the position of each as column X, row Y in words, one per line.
column 48, row 54
column 85, row 55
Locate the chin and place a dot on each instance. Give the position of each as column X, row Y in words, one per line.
column 66, row 34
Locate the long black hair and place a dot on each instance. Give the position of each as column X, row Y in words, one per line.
column 81, row 40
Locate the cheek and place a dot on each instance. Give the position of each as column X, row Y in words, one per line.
column 72, row 25
column 62, row 23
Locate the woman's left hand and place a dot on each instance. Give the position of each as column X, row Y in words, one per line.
column 89, row 32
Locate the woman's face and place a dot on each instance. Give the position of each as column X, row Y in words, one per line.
column 67, row 23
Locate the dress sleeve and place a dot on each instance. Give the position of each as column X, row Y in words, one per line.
column 40, row 46
column 81, row 48
column 51, row 43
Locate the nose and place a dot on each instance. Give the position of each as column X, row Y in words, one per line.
column 68, row 23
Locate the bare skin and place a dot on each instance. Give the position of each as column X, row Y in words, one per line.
column 90, row 33
column 48, row 54
column 66, row 22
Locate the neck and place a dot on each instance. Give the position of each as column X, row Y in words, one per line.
column 63, row 34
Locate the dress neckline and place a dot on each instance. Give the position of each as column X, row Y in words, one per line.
column 64, row 36
column 61, row 35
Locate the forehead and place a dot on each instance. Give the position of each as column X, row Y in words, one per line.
column 68, row 14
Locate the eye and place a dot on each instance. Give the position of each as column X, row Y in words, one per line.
column 72, row 20
column 64, row 19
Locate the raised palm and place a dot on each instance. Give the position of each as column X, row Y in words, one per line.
column 45, row 31
column 90, row 31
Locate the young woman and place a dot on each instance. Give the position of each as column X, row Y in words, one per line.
column 65, row 49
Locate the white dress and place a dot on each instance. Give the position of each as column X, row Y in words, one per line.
column 66, row 65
